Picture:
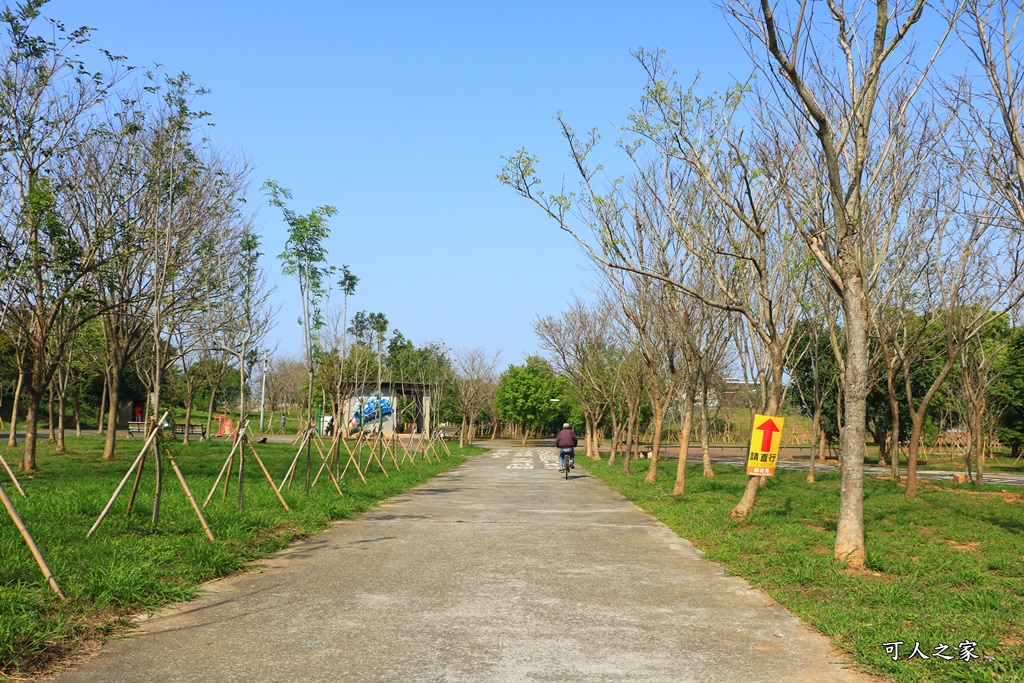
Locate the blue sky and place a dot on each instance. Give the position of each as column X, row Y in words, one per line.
column 398, row 113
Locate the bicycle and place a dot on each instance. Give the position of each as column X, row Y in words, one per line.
column 568, row 456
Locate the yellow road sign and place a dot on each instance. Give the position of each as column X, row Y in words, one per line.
column 765, row 438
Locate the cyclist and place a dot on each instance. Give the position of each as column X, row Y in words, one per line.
column 566, row 442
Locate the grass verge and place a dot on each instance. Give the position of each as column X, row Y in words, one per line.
column 131, row 565
column 944, row 568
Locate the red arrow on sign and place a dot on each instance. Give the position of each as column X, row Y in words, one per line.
column 768, row 429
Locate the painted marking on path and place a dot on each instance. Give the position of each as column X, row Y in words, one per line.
column 521, row 461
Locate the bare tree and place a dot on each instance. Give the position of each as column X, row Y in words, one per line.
column 979, row 370
column 702, row 203
column 242, row 321
column 46, row 97
column 580, row 343
column 333, row 342
column 991, row 140
column 839, row 103
column 475, row 378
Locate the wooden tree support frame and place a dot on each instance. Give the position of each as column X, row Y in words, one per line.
column 434, row 440
column 373, row 456
column 241, row 441
column 414, row 449
column 352, row 458
column 290, row 474
column 31, row 543
column 154, row 429
column 325, row 463
column 386, row 448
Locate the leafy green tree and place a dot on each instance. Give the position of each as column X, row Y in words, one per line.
column 1008, row 394
column 525, row 394
column 46, row 96
column 305, row 258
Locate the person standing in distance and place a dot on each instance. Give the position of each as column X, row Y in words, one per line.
column 566, row 442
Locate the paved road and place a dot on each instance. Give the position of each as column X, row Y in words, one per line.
column 499, row 570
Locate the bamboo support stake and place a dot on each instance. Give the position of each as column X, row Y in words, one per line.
column 191, row 499
column 135, row 488
column 389, row 448
column 425, row 446
column 31, row 544
column 446, row 449
column 410, row 452
column 421, row 447
column 358, row 450
column 289, row 475
column 227, row 462
column 352, row 461
column 325, row 463
column 385, row 450
column 267, row 474
column 10, row 473
column 117, row 492
column 374, row 456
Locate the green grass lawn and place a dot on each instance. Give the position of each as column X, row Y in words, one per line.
column 130, row 565
column 944, row 568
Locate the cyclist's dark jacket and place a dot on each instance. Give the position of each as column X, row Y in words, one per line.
column 566, row 439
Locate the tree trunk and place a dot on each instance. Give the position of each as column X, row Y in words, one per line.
column 774, row 397
column 705, row 432
column 209, row 412
column 627, row 455
column 113, row 398
column 103, row 407
column 849, row 546
column 917, row 419
column 816, row 435
column 615, row 439
column 980, row 449
column 916, row 428
column 49, row 417
column 28, row 460
column 659, row 423
column 61, row 401
column 894, row 455
column 188, row 421
column 684, row 439
column 76, row 406
column 12, row 439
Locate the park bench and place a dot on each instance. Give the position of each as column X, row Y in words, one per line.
column 138, row 428
column 192, row 429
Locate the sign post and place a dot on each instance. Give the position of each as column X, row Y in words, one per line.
column 765, row 438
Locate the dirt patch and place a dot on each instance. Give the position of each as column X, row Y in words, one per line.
column 1004, row 495
column 969, row 547
column 1013, row 640
column 61, row 656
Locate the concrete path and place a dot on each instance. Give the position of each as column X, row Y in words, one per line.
column 499, row 570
